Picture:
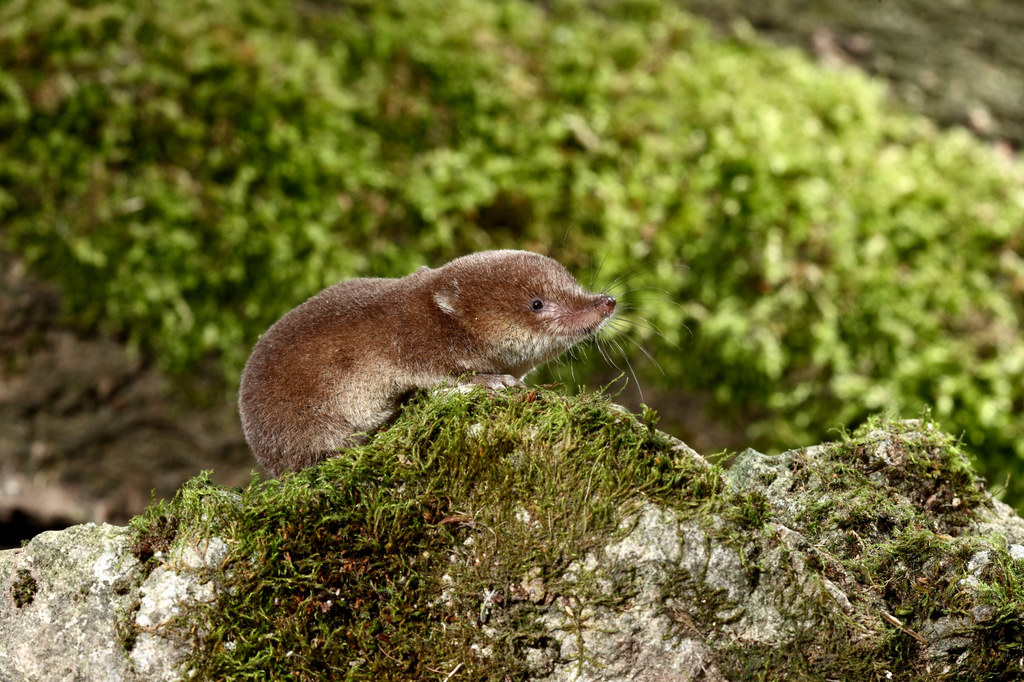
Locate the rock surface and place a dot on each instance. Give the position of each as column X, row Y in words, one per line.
column 62, row 598
column 881, row 555
column 72, row 597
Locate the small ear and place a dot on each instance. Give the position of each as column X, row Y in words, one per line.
column 446, row 296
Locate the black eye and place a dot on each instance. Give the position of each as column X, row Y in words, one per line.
column 537, row 304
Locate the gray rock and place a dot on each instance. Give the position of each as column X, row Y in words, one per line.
column 71, row 599
column 85, row 579
column 789, row 554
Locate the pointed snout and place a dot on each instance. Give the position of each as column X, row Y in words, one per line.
column 606, row 304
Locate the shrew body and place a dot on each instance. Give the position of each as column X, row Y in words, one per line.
column 340, row 364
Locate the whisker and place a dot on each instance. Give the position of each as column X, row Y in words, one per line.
column 635, row 271
column 667, row 293
column 626, row 276
column 629, row 366
column 645, row 352
column 641, row 322
column 653, row 330
column 633, row 300
column 593, row 275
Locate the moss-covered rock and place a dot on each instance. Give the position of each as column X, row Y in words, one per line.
column 524, row 534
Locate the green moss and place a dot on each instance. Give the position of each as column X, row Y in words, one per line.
column 804, row 659
column 24, row 588
column 869, row 487
column 155, row 533
column 445, row 542
column 883, row 512
column 388, row 560
column 750, row 510
column 209, row 165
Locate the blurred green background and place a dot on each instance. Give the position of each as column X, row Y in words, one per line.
column 188, row 171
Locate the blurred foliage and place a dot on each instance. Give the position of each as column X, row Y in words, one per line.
column 189, row 171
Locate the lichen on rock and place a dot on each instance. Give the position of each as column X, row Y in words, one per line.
column 68, row 628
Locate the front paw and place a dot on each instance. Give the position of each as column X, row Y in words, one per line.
column 495, row 382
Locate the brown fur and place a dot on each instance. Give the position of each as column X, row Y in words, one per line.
column 340, row 364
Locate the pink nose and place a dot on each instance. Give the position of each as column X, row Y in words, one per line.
column 606, row 304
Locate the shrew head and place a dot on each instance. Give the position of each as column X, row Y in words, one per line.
column 522, row 308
